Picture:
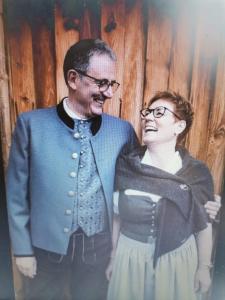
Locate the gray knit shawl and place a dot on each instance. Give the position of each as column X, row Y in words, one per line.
column 183, row 194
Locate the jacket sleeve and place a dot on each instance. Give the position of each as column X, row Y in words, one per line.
column 17, row 189
column 133, row 142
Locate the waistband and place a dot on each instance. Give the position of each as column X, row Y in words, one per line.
column 148, row 239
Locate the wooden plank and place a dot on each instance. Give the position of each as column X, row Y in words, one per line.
column 112, row 32
column 90, row 20
column 21, row 69
column 63, row 40
column 181, row 54
column 133, row 64
column 216, row 139
column 5, row 125
column 205, row 55
column 159, row 43
column 85, row 24
column 44, row 66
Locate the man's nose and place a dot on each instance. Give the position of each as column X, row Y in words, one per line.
column 109, row 92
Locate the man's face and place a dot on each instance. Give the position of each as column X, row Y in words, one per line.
column 88, row 97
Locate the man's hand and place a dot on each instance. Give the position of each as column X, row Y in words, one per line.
column 27, row 265
column 213, row 207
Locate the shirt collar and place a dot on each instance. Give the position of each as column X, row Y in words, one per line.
column 68, row 119
column 70, row 112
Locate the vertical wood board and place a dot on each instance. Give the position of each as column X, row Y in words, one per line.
column 22, row 90
column 44, row 66
column 63, row 40
column 133, row 79
column 5, row 122
column 159, row 43
column 112, row 32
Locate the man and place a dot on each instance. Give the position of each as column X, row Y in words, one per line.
column 60, row 181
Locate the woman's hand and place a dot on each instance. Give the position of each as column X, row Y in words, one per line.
column 202, row 279
column 108, row 272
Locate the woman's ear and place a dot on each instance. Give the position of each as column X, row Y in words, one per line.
column 180, row 126
column 72, row 78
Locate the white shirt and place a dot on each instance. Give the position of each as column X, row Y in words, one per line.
column 70, row 112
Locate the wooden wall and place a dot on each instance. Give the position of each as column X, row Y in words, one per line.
column 160, row 45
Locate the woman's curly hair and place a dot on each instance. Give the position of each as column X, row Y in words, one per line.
column 183, row 108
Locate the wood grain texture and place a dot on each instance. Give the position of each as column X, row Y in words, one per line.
column 159, row 43
column 63, row 40
column 22, row 91
column 155, row 51
column 133, row 79
column 5, row 123
column 112, row 32
column 90, row 22
column 201, row 94
column 44, row 66
column 216, row 130
column 85, row 24
column 181, row 53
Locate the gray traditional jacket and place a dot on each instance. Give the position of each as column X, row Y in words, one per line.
column 38, row 177
column 181, row 209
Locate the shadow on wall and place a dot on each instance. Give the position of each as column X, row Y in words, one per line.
column 218, row 287
column 6, row 277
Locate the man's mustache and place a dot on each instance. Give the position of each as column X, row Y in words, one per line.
column 99, row 97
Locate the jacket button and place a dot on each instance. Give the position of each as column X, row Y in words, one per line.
column 71, row 193
column 68, row 212
column 73, row 174
column 76, row 135
column 66, row 230
column 74, row 155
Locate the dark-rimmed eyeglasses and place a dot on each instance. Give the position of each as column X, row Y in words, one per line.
column 103, row 84
column 158, row 112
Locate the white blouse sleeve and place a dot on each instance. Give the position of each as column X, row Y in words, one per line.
column 116, row 202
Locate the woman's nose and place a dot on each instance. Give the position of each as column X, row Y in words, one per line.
column 150, row 116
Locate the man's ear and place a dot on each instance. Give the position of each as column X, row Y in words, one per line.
column 180, row 126
column 72, row 78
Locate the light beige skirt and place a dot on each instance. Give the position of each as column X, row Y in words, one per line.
column 134, row 278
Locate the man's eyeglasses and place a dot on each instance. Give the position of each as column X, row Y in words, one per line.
column 158, row 112
column 103, row 84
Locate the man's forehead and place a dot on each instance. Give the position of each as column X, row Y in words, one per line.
column 102, row 64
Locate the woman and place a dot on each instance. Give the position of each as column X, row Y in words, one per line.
column 162, row 239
